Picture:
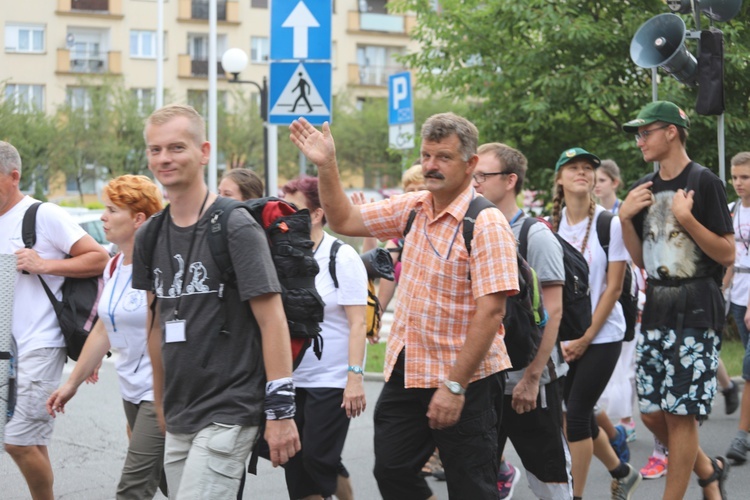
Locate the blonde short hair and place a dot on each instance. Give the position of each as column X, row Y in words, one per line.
column 172, row 111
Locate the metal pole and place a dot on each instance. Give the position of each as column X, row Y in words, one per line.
column 722, row 152
column 266, row 170
column 159, row 101
column 212, row 114
column 273, row 160
column 302, row 160
column 654, row 98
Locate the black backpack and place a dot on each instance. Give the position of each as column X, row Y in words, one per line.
column 288, row 232
column 373, row 310
column 576, row 316
column 76, row 312
column 629, row 296
column 525, row 316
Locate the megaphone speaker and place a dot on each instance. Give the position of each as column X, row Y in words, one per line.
column 660, row 41
column 720, row 10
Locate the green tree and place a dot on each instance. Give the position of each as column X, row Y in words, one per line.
column 33, row 134
column 544, row 76
column 240, row 133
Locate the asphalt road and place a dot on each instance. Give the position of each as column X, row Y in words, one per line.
column 89, row 446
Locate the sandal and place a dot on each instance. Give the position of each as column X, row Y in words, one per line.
column 720, row 474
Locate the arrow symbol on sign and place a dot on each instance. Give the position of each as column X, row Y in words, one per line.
column 300, row 20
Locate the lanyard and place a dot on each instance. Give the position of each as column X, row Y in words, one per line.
column 187, row 259
column 516, row 217
column 615, row 207
column 743, row 240
column 111, row 309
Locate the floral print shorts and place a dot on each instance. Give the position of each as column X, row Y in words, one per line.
column 677, row 373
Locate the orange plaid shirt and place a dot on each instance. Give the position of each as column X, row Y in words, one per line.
column 436, row 301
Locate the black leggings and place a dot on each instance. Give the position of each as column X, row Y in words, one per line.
column 586, row 380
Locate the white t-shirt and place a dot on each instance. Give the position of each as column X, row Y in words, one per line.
column 35, row 325
column 331, row 369
column 741, row 281
column 124, row 312
column 613, row 329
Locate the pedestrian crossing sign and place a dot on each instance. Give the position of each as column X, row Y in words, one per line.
column 300, row 89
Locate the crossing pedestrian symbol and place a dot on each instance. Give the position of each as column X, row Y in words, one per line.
column 305, row 93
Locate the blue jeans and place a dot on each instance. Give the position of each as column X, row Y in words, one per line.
column 738, row 313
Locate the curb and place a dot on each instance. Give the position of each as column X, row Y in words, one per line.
column 374, row 377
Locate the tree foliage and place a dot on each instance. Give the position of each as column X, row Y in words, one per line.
column 546, row 75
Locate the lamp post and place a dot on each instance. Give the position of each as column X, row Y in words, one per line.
column 234, row 61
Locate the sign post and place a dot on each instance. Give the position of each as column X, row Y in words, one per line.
column 400, row 112
column 300, row 69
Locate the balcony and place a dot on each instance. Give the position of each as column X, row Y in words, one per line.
column 93, row 8
column 372, row 76
column 227, row 11
column 196, row 68
column 389, row 24
column 89, row 63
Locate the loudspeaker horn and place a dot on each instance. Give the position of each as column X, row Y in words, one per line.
column 660, row 41
column 720, row 10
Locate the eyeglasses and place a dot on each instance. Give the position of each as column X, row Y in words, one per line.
column 481, row 177
column 643, row 134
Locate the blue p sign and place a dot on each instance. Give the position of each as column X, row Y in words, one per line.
column 400, row 107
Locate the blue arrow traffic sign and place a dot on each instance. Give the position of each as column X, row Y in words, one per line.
column 300, row 29
column 400, row 105
column 300, row 89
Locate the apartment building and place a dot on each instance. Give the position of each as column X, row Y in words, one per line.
column 50, row 44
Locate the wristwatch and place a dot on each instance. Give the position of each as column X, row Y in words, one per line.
column 454, row 387
column 356, row 369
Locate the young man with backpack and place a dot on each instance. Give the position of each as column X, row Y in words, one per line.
column 221, row 355
column 532, row 407
column 41, row 346
column 677, row 227
column 445, row 350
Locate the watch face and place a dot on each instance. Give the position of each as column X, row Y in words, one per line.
column 454, row 387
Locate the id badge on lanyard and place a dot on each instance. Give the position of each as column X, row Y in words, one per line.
column 174, row 331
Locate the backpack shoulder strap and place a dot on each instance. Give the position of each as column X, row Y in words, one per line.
column 113, row 263
column 28, row 228
column 28, row 234
column 603, row 224
column 523, row 237
column 217, row 236
column 409, row 223
column 332, row 262
column 152, row 230
column 694, row 176
column 476, row 205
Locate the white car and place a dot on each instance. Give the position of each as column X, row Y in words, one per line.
column 90, row 221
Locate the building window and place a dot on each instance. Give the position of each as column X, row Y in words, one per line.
column 259, row 48
column 377, row 63
column 24, row 38
column 143, row 44
column 25, row 97
column 79, row 98
column 259, row 4
column 145, row 99
column 198, row 99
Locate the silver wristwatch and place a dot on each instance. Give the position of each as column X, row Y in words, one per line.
column 454, row 387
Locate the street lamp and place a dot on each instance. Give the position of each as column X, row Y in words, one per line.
column 234, row 61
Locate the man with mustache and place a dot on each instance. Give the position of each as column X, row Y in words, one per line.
column 445, row 349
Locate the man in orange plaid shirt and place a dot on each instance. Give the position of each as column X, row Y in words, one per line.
column 445, row 350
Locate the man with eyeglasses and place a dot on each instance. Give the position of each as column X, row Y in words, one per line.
column 445, row 354
column 676, row 226
column 532, row 406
